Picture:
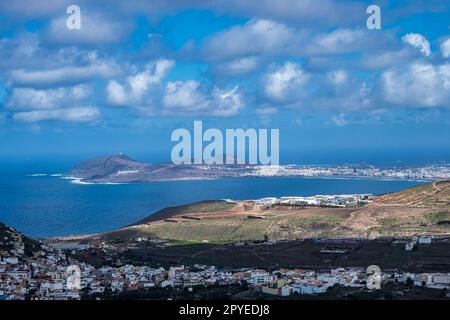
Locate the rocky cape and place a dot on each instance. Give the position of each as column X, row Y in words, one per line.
column 121, row 168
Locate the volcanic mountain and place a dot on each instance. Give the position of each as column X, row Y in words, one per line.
column 121, row 168
column 103, row 167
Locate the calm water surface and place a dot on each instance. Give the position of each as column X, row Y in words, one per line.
column 50, row 206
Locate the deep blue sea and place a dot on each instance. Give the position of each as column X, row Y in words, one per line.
column 50, row 206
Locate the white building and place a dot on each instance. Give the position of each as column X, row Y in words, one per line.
column 410, row 246
column 266, row 201
column 443, row 279
column 425, row 239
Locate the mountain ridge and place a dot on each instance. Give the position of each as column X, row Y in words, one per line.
column 121, row 168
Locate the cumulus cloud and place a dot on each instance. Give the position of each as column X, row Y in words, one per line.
column 95, row 30
column 63, row 104
column 32, row 99
column 270, row 38
column 145, row 92
column 285, row 83
column 238, row 67
column 338, row 41
column 337, row 77
column 76, row 114
column 23, row 49
column 34, row 8
column 305, row 12
column 418, row 85
column 339, row 120
column 418, row 41
column 338, row 89
column 62, row 76
column 254, row 37
column 445, row 48
column 183, row 95
column 25, row 59
column 49, row 74
column 135, row 88
column 188, row 97
column 382, row 60
column 291, row 86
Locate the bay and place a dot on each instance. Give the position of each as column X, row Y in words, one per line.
column 46, row 206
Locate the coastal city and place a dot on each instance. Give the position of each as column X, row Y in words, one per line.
column 47, row 273
column 428, row 172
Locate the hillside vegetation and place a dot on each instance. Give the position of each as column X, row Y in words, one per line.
column 423, row 209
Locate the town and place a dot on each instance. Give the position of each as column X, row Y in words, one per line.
column 44, row 275
column 427, row 172
column 342, row 200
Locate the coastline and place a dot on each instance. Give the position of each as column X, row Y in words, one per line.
column 81, row 181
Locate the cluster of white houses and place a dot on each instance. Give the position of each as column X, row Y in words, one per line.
column 45, row 277
column 416, row 240
column 341, row 200
column 429, row 172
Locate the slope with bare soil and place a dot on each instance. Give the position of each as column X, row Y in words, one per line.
column 423, row 209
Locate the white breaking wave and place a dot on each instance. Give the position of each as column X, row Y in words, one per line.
column 70, row 178
column 80, row 181
column 56, row 175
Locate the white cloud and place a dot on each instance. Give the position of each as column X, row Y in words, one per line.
column 338, row 41
column 419, row 85
column 418, row 41
column 27, row 62
column 338, row 90
column 153, row 74
column 239, row 44
column 254, row 37
column 337, row 77
column 63, row 104
column 285, row 83
column 20, row 50
column 95, row 29
column 445, row 48
column 225, row 103
column 116, row 94
column 238, row 67
column 339, row 120
column 305, row 12
column 63, row 76
column 144, row 91
column 188, row 97
column 31, row 99
column 323, row 12
column 381, row 60
column 76, row 114
column 136, row 87
column 184, row 95
column 34, row 8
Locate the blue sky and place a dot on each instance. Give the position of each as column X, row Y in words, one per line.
column 139, row 69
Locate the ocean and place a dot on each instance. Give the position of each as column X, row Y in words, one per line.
column 46, row 206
